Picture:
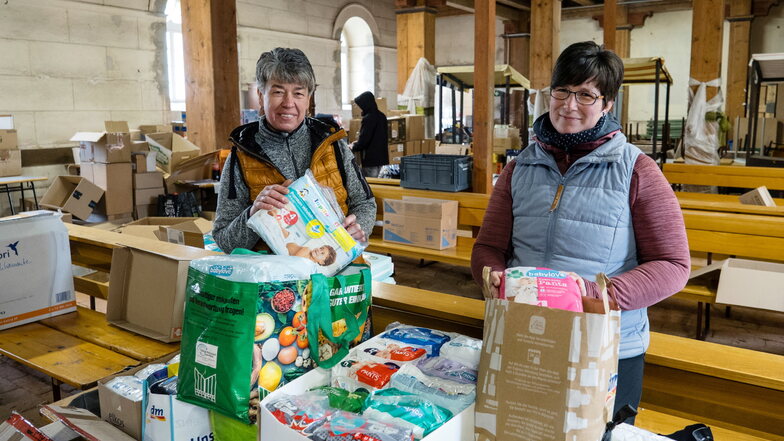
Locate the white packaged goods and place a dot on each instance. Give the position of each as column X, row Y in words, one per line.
column 255, row 268
column 35, row 268
column 308, row 226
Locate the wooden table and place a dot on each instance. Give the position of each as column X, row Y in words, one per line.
column 10, row 184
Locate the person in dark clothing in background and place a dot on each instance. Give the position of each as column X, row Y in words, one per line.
column 372, row 142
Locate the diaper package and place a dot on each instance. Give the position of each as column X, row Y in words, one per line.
column 542, row 287
column 308, row 226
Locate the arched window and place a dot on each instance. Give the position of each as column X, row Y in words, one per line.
column 357, row 60
column 174, row 54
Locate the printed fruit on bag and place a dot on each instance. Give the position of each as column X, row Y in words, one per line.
column 288, row 336
column 270, row 375
column 265, row 324
column 283, row 300
column 287, row 355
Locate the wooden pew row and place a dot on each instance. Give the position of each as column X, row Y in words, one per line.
column 725, row 176
column 737, row 391
column 81, row 348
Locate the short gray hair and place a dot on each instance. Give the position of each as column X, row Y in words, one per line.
column 287, row 66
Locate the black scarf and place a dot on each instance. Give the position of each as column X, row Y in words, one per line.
column 546, row 133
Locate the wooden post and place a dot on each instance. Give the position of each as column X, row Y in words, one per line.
column 484, row 68
column 623, row 32
column 609, row 24
column 738, row 60
column 706, row 25
column 209, row 34
column 545, row 30
column 416, row 38
column 518, row 57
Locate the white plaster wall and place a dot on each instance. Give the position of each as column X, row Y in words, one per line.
column 68, row 66
column 455, row 41
column 767, row 34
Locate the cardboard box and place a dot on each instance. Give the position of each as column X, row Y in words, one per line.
column 396, row 129
column 144, row 162
column 150, row 306
column 353, row 129
column 35, row 263
column 758, row 196
column 194, row 169
column 736, row 279
column 356, row 112
column 459, row 428
column 73, row 194
column 143, row 181
column 452, row 149
column 171, row 149
column 10, row 162
column 112, row 145
column 189, row 233
column 147, row 196
column 116, row 181
column 149, row 227
column 428, row 223
column 415, row 127
column 428, row 146
column 83, row 423
column 142, row 211
column 413, row 147
column 153, row 128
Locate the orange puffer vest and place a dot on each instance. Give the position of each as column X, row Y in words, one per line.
column 324, row 165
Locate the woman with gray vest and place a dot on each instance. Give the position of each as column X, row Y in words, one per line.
column 581, row 199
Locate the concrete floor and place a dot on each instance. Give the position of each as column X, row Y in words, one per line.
column 23, row 389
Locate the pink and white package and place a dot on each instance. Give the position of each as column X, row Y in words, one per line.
column 542, row 287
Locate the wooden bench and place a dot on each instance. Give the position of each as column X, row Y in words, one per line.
column 81, row 348
column 724, row 176
column 731, row 389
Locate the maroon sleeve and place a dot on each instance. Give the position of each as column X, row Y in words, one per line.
column 662, row 246
column 493, row 244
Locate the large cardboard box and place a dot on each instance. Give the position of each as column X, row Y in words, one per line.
column 10, row 162
column 180, row 230
column 144, row 162
column 415, row 127
column 153, row 128
column 171, row 149
column 147, row 305
column 356, row 112
column 35, row 268
column 396, row 129
column 148, row 196
column 147, row 180
column 73, row 194
column 743, row 282
column 112, row 145
column 427, row 223
column 116, row 181
column 194, row 169
column 452, row 149
column 353, row 129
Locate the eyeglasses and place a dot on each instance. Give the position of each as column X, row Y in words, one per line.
column 584, row 98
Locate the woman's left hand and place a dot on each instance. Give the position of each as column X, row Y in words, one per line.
column 353, row 228
column 580, row 282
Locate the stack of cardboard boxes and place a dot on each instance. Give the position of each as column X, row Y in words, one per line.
column 505, row 138
column 147, row 184
column 405, row 133
column 10, row 156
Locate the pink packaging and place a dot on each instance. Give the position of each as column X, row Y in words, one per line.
column 541, row 287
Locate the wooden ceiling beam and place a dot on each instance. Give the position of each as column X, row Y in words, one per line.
column 501, row 11
column 645, row 7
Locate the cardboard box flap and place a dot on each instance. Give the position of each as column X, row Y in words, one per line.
column 180, row 144
column 116, row 127
column 88, row 136
column 740, row 277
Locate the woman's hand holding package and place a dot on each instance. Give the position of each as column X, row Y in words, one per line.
column 272, row 196
column 354, row 229
column 580, row 282
column 495, row 283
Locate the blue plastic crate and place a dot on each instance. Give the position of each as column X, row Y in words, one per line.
column 436, row 172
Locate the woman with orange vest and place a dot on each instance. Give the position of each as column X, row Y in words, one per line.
column 269, row 154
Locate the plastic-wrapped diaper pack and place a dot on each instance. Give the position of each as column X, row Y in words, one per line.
column 308, row 226
column 542, row 287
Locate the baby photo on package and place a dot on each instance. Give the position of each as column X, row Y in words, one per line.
column 308, row 226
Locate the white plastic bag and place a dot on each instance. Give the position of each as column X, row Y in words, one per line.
column 539, row 107
column 701, row 138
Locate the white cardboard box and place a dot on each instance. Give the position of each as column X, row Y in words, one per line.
column 35, row 268
column 459, row 428
column 750, row 283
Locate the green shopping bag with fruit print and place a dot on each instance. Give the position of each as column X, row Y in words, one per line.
column 338, row 313
column 244, row 330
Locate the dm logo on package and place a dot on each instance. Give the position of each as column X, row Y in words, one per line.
column 11, row 248
column 158, row 414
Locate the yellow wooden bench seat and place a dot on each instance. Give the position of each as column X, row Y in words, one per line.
column 64, row 358
column 91, row 326
column 725, row 176
column 732, row 389
column 663, row 423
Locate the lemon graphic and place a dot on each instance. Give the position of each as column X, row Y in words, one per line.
column 315, row 229
column 269, row 376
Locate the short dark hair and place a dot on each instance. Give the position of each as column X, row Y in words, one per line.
column 587, row 61
column 287, row 66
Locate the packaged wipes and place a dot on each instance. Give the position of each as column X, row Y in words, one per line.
column 308, row 226
column 542, row 287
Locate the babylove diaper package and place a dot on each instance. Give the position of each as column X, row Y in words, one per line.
column 308, row 226
column 542, row 287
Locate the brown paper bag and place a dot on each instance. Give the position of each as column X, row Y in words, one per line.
column 547, row 374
